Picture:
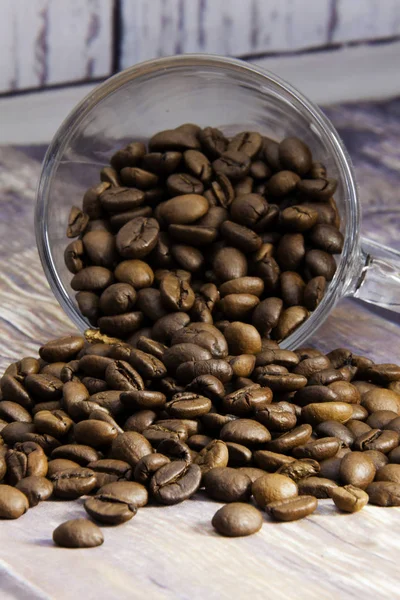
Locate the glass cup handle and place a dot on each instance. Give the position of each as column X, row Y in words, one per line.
column 377, row 279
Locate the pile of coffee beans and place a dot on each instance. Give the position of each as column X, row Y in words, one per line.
column 224, row 230
column 190, row 408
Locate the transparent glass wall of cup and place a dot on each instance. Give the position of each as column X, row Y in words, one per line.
column 207, row 90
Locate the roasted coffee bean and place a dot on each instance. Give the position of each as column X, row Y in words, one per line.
column 327, row 238
column 266, row 315
column 290, row 251
column 188, row 371
column 327, row 411
column 11, row 411
column 181, row 353
column 299, row 469
column 73, row 483
column 292, row 509
column 381, row 399
column 188, row 405
column 245, row 431
column 35, row 488
column 130, row 447
column 120, row 375
column 282, row 183
column 247, row 400
column 165, row 327
column 229, row 263
column 314, row 292
column 78, row 453
column 239, row 455
column 184, row 209
column 319, row 487
column 12, row 433
column 135, row 272
column 213, row 141
column 138, row 178
column 128, row 156
column 226, row 484
column 298, row 218
column 148, row 465
column 78, row 533
column 287, row 441
column 94, row 432
column 242, row 365
column 24, row 460
column 92, row 279
column 235, row 164
column 289, row 320
column 375, row 439
column 207, row 385
column 143, row 399
column 77, row 222
column 117, row 299
column 242, row 285
column 273, row 487
column 270, row 461
column 138, row 237
column 242, row 338
column 91, row 200
column 198, row 441
column 240, row 237
column 378, row 458
column 180, row 138
column 108, row 470
column 335, row 429
column 74, row 256
column 320, row 449
column 45, row 387
column 319, row 190
column 384, row 493
column 252, row 472
column 152, row 347
column 140, row 421
column 176, row 293
column 56, row 423
column 13, row 503
column 175, row 482
column 357, row 469
column 377, row 420
column 237, row 520
column 276, row 418
column 357, row 428
column 318, row 263
column 325, row 377
column 349, row 498
column 295, row 155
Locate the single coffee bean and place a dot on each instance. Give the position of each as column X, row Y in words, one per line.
column 357, row 469
column 295, row 155
column 242, row 365
column 237, row 520
column 272, row 487
column 140, row 421
column 298, row 218
column 188, row 405
column 239, row 455
column 78, row 453
column 130, row 447
column 138, row 178
column 213, row 141
column 335, row 429
column 276, row 418
column 320, row 449
column 245, row 431
column 389, row 472
column 60, row 464
column 143, row 399
column 35, row 488
column 176, row 293
column 78, row 533
column 384, row 493
column 24, row 460
column 165, row 327
column 247, row 400
column 117, row 299
column 91, row 204
column 77, row 222
column 381, row 399
column 378, row 458
column 349, row 498
column 120, row 375
column 92, row 279
column 188, row 371
column 266, row 315
column 327, row 411
column 108, row 470
column 376, row 439
column 317, row 190
column 270, row 461
column 377, row 420
column 229, row 263
column 357, row 428
column 73, row 483
column 242, row 285
column 292, row 509
column 299, row 469
column 94, row 432
column 148, row 465
column 319, row 487
column 13, row 503
column 289, row 320
column 11, row 411
column 128, row 156
column 175, row 482
column 226, row 484
column 13, row 432
column 242, row 338
column 314, row 292
column 235, row 164
column 327, row 237
column 135, row 272
column 287, row 441
column 62, row 349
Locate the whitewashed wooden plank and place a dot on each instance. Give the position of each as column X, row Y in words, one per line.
column 365, row 19
column 54, row 41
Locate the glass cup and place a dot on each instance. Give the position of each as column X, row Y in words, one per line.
column 207, row 90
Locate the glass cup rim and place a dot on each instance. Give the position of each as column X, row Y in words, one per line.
column 325, row 129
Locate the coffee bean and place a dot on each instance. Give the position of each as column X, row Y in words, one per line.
column 295, row 155
column 298, row 218
column 79, row 453
column 327, row 411
column 94, row 432
column 184, row 209
column 247, row 400
column 314, row 292
column 13, row 503
column 35, row 488
column 246, row 432
column 78, row 533
column 335, row 429
column 375, row 439
column 92, row 279
column 282, row 183
column 240, row 237
column 138, row 237
column 119, row 375
column 128, row 156
column 174, row 139
column 175, row 482
column 384, row 493
column 213, row 141
column 11, row 411
column 319, row 487
column 292, row 509
column 299, row 469
column 242, row 338
column 176, row 293
column 377, row 420
column 287, row 441
column 108, row 470
column 73, row 483
column 378, row 458
column 249, row 210
column 77, row 222
column 237, row 520
column 91, row 204
column 317, row 190
column 381, row 399
column 357, row 469
column 24, row 460
column 266, row 315
column 290, row 251
column 273, row 487
column 320, row 449
column 45, row 387
column 229, row 263
column 135, row 272
column 188, row 371
column 140, row 421
column 289, row 320
column 235, row 164
column 165, row 327
column 226, row 484
column 242, row 285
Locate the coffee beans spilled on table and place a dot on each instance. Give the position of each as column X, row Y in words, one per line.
column 185, row 411
column 193, row 258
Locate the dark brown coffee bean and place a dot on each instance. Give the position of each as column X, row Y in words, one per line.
column 184, row 209
column 226, row 484
column 290, row 251
column 319, row 263
column 375, row 439
column 193, row 234
column 117, row 299
column 247, row 400
column 273, row 487
column 240, row 237
column 327, row 411
column 287, row 441
column 349, row 498
column 109, row 510
column 299, row 469
column 176, row 293
column 317, row 190
column 140, row 421
column 11, row 411
column 174, row 139
column 56, row 423
column 135, row 272
column 249, row 210
column 229, row 263
column 298, row 218
column 378, row 458
column 290, row 319
column 91, row 204
column 266, row 315
column 242, row 285
column 270, row 461
column 219, row 368
column 188, row 405
column 138, row 178
column 284, row 382
column 94, row 432
column 235, row 164
column 346, row 392
column 292, row 288
column 252, row 472
column 325, row 377
column 292, row 509
column 238, row 306
column 45, row 387
column 88, row 303
column 24, row 460
column 314, row 292
column 204, row 335
column 377, row 420
column 35, row 488
column 74, row 256
column 384, row 493
column 128, row 156
column 188, row 257
column 99, row 247
column 92, row 279
column 139, row 399
column 237, row 520
column 181, row 353
column 77, row 222
column 320, row 449
column 319, row 487
column 239, row 455
column 295, row 155
column 242, row 338
column 166, row 326
column 13, row 503
column 110, row 175
column 327, row 238
column 162, row 163
column 79, row 453
column 73, row 483
column 249, row 142
column 130, row 447
column 335, row 429
column 207, row 385
column 357, row 469
column 213, row 141
column 148, row 465
column 108, row 470
column 259, row 170
column 175, row 482
column 198, row 164
column 282, row 183
column 78, row 533
column 138, row 237
column 245, row 431
column 215, row 454
column 381, row 399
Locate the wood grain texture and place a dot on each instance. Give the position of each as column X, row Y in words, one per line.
column 172, row 553
column 248, row 27
column 46, row 42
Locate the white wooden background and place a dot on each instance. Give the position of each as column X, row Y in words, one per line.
column 48, row 42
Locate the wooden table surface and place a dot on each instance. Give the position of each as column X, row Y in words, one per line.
column 166, row 553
